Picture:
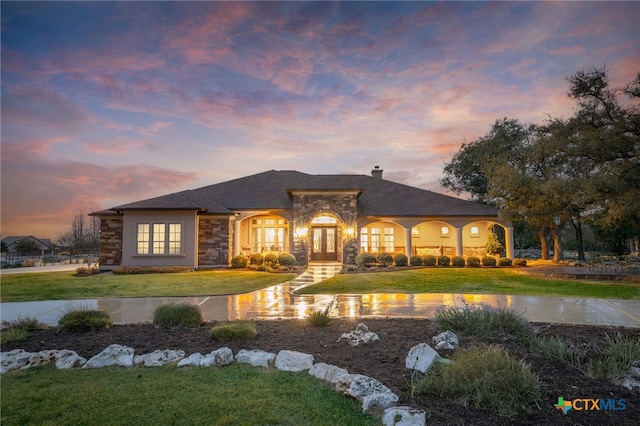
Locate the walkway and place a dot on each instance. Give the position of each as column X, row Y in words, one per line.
column 280, row 301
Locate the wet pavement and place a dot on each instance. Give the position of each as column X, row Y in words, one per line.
column 281, row 301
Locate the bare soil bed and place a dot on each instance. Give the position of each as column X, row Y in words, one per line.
column 384, row 360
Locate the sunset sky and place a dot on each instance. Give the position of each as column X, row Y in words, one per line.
column 112, row 102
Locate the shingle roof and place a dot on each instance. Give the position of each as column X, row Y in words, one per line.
column 269, row 191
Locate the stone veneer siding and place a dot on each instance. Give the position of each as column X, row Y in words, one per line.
column 215, row 236
column 110, row 245
column 342, row 205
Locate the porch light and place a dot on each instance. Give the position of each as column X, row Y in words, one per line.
column 444, row 230
column 300, row 232
column 350, row 231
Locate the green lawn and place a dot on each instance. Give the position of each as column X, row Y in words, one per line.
column 469, row 281
column 65, row 286
column 231, row 395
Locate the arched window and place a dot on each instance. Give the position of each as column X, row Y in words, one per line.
column 324, row 220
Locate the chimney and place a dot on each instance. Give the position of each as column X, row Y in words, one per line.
column 377, row 172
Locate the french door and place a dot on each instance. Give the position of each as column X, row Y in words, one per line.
column 324, row 244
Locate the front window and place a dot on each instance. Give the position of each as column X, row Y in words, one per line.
column 159, row 238
column 389, row 242
column 269, row 234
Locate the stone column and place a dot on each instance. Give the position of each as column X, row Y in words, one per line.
column 508, row 236
column 459, row 247
column 236, row 236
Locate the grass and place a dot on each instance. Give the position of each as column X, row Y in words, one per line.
column 484, row 378
column 233, row 395
column 555, row 347
column 66, row 286
column 616, row 357
column 320, row 318
column 470, row 281
column 177, row 315
column 19, row 329
column 234, row 330
column 484, row 321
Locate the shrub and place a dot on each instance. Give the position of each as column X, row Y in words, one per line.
column 493, row 245
column 415, row 260
column 484, row 321
column 286, row 259
column 320, row 318
column 82, row 320
column 401, row 259
column 385, row 259
column 271, row 259
column 234, row 330
column 444, row 260
column 484, row 378
column 616, row 357
column 125, row 270
column 554, row 347
column 83, row 271
column 239, row 261
column 473, row 262
column 489, row 261
column 519, row 262
column 429, row 260
column 365, row 259
column 457, row 261
column 19, row 329
column 256, row 259
column 174, row 315
column 504, row 261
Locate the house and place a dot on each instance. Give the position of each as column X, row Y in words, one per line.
column 28, row 245
column 315, row 217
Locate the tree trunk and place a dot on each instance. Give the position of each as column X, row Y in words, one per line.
column 544, row 245
column 556, row 232
column 577, row 226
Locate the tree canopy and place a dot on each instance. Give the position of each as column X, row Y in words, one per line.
column 565, row 171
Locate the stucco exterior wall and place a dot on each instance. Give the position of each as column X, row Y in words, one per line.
column 188, row 244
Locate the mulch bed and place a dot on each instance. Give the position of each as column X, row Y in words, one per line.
column 383, row 360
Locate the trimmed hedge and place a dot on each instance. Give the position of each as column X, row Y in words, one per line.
column 286, row 259
column 444, row 260
column 473, row 262
column 256, row 259
column 239, row 261
column 429, row 260
column 519, row 262
column 365, row 259
column 415, row 260
column 504, row 261
column 385, row 259
column 401, row 259
column 457, row 261
column 489, row 261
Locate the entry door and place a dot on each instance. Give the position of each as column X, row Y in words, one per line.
column 324, row 244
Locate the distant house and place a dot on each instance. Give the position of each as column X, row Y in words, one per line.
column 42, row 246
column 315, row 217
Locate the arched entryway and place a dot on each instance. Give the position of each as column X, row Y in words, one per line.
column 324, row 239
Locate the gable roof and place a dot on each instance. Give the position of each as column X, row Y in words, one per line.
column 270, row 191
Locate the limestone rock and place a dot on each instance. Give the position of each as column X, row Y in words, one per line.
column 327, row 372
column 14, row 360
column 159, row 358
column 217, row 358
column 192, row 360
column 255, row 358
column 370, row 392
column 112, row 355
column 360, row 335
column 404, row 416
column 449, row 337
column 293, row 361
column 444, row 346
column 66, row 359
column 421, row 357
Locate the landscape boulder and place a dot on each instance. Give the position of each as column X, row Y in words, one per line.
column 421, row 357
column 218, row 358
column 327, row 372
column 66, row 359
column 159, row 358
column 112, row 355
column 370, row 392
column 404, row 416
column 360, row 335
column 293, row 361
column 446, row 340
column 255, row 358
